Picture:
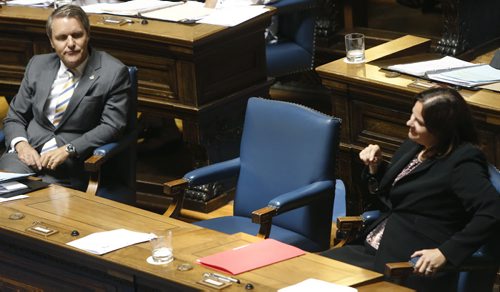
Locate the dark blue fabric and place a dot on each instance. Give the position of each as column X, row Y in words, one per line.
column 294, row 51
column 118, row 174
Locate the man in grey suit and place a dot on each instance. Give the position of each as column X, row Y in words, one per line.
column 51, row 134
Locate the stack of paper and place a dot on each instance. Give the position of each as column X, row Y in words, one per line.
column 130, row 8
column 251, row 256
column 35, row 3
column 420, row 69
column 468, row 77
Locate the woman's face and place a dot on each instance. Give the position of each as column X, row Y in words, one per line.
column 418, row 132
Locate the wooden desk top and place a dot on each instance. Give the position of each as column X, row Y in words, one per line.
column 369, row 74
column 163, row 31
column 67, row 210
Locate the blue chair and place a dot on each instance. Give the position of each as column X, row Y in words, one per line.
column 294, row 50
column 477, row 273
column 112, row 167
column 286, row 176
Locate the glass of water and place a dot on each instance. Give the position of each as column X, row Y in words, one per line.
column 355, row 48
column 161, row 247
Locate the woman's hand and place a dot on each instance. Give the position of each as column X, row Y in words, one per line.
column 430, row 261
column 371, row 156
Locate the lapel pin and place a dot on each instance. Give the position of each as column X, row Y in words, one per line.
column 91, row 77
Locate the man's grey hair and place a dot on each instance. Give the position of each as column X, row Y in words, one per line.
column 70, row 11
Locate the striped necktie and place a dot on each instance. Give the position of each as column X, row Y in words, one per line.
column 61, row 94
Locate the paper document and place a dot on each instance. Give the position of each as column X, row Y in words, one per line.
column 11, row 186
column 106, row 241
column 468, row 77
column 188, row 12
column 420, row 69
column 317, row 286
column 10, row 176
column 36, row 3
column 251, row 256
column 130, row 8
column 234, row 15
column 13, row 198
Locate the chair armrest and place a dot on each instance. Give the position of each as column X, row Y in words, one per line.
column 105, row 152
column 200, row 176
column 370, row 216
column 301, row 197
column 175, row 189
column 213, row 172
column 288, row 201
column 102, row 154
column 398, row 270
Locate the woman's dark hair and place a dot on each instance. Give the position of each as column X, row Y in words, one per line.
column 448, row 117
column 71, row 11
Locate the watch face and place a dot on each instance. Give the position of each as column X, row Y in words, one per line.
column 70, row 149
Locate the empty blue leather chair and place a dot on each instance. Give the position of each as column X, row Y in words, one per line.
column 286, row 176
column 112, row 167
column 294, row 50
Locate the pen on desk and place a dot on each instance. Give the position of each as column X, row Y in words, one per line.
column 224, row 278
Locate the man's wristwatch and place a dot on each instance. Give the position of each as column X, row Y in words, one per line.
column 71, row 150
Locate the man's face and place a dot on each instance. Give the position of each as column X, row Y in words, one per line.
column 69, row 40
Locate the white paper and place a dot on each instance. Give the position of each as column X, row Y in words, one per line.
column 13, row 198
column 233, row 15
column 11, row 186
column 317, row 286
column 103, row 242
column 38, row 3
column 129, row 8
column 8, row 176
column 426, row 67
column 468, row 77
column 190, row 11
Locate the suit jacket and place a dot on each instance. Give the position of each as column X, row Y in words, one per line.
column 446, row 203
column 96, row 114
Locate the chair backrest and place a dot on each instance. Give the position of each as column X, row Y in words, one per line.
column 294, row 51
column 121, row 169
column 479, row 280
column 284, row 147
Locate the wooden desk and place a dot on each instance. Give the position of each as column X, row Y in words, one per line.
column 374, row 109
column 201, row 74
column 37, row 263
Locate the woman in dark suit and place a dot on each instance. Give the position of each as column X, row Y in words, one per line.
column 437, row 200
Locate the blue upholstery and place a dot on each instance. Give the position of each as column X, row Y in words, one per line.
column 287, row 161
column 294, row 51
column 483, row 264
column 339, row 203
column 117, row 175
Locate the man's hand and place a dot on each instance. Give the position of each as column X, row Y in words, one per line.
column 53, row 158
column 430, row 261
column 28, row 155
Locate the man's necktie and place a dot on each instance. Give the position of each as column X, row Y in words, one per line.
column 62, row 92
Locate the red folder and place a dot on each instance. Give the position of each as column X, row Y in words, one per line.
column 251, row 256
